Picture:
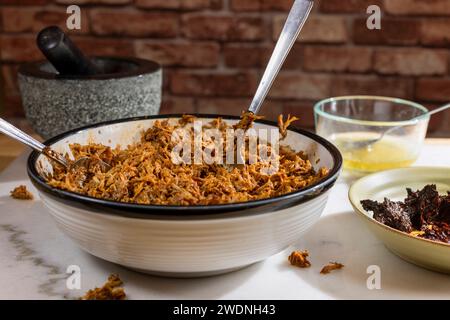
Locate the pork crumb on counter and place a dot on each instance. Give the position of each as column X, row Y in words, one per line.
column 330, row 267
column 21, row 193
column 111, row 290
column 299, row 259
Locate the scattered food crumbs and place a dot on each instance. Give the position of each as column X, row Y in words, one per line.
column 330, row 267
column 111, row 290
column 299, row 259
column 21, row 193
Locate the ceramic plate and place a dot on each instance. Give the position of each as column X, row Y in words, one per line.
column 392, row 184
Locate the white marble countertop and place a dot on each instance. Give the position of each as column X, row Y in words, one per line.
column 34, row 256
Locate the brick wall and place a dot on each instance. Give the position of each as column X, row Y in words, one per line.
column 214, row 51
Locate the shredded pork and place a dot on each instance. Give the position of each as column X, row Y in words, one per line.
column 144, row 172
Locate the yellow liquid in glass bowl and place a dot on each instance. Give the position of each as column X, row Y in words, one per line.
column 388, row 153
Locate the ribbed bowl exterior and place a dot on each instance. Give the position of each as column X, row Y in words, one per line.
column 185, row 246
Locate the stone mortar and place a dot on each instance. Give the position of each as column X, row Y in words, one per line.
column 126, row 87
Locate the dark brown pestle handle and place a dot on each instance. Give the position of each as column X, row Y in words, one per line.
column 63, row 54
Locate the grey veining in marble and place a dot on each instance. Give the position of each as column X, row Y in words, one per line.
column 26, row 253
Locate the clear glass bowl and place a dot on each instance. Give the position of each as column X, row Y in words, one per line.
column 344, row 120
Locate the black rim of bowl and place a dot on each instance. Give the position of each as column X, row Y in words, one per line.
column 305, row 194
column 33, row 69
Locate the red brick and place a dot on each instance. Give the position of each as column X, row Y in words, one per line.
column 223, row 27
column 173, row 4
column 436, row 32
column 245, row 56
column 417, row 7
column 167, row 73
column 412, row 61
column 240, row 55
column 438, row 122
column 34, row 19
column 234, row 106
column 216, row 4
column 108, row 2
column 133, row 23
column 328, row 29
column 433, row 89
column 213, row 84
column 333, row 58
column 294, row 60
column 271, row 108
column 231, row 106
column 9, row 77
column 104, row 46
column 13, row 105
column 177, row 105
column 372, row 85
column 261, row 5
column 24, row 2
column 19, row 48
column 195, row 54
column 394, row 31
column 348, row 6
column 301, row 109
column 444, row 129
column 300, row 86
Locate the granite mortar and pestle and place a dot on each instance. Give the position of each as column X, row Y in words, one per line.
column 71, row 90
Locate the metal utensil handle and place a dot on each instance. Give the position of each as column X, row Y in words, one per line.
column 294, row 23
column 444, row 107
column 15, row 133
column 428, row 114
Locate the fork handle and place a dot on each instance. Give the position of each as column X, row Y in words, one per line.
column 444, row 107
column 428, row 114
column 17, row 134
column 294, row 23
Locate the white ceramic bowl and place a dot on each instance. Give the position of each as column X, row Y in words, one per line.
column 184, row 241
